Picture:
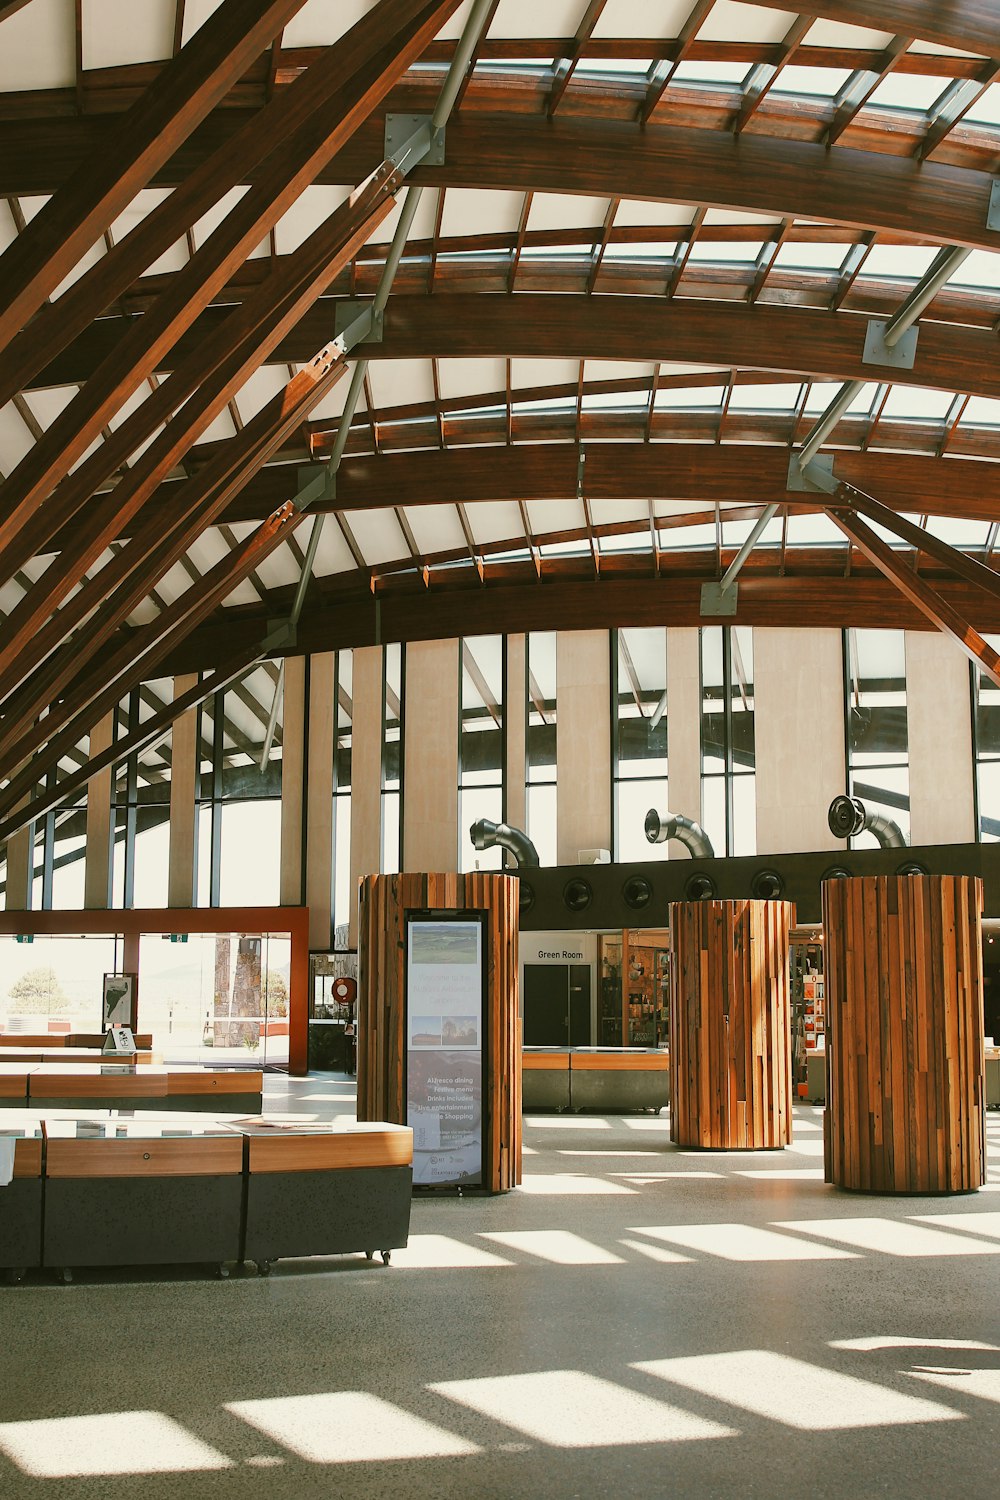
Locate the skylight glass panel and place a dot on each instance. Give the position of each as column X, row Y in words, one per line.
column 917, row 402
column 913, row 91
column 548, row 403
column 986, row 110
column 806, row 255
column 631, row 541
column 959, row 531
column 618, row 401
column 683, row 538
column 726, row 250
column 981, row 269
column 813, row 531
column 672, row 398
column 981, row 411
column 773, row 397
column 910, row 261
column 725, row 75
column 632, row 67
column 822, row 392
column 821, row 83
column 735, row 533
column 640, row 250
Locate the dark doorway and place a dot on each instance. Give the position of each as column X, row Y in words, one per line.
column 557, row 1005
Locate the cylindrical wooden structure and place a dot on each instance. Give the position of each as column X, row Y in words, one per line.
column 904, row 1001
column 730, row 1032
column 385, row 901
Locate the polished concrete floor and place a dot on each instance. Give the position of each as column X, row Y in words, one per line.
column 635, row 1321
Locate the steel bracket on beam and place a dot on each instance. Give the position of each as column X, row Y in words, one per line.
column 799, row 482
column 993, row 212
column 351, row 311
column 715, row 600
column 318, row 478
column 400, row 129
column 900, row 356
column 281, row 631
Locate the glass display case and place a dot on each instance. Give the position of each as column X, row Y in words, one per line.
column 635, row 989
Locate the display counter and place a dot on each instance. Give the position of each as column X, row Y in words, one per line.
column 816, row 1075
column 64, row 1039
column 105, row 1189
column 993, row 1079
column 608, row 1079
column 123, row 1085
column 78, row 1055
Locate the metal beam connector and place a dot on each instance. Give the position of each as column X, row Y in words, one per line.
column 410, row 139
column 901, row 355
column 993, row 212
column 358, row 320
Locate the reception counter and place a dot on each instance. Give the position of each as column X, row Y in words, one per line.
column 606, row 1079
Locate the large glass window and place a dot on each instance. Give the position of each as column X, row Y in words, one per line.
column 343, row 891
column 986, row 746
column 639, row 714
column 392, row 759
column 540, row 750
column 728, row 780
column 239, row 855
column 480, row 746
column 877, row 744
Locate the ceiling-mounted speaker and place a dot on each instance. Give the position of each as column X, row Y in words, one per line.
column 577, row 894
column 836, row 872
column 637, row 893
column 525, row 895
column 766, row 885
column 911, row 867
column 699, row 887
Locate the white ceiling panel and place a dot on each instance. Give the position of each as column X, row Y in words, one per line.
column 525, row 374
column 15, row 439
column 566, row 211
column 319, row 23
column 244, row 593
column 196, row 13
column 423, row 221
column 495, row 521
column 210, row 221
column 265, row 383
column 280, row 569
column 313, row 206
column 142, row 204
column 555, row 515
column 655, row 18
column 637, row 213
column 378, row 535
column 729, row 21
column 436, row 528
column 470, row 377
column 833, row 34
column 118, row 32
column 400, row 382
column 610, row 512
column 480, row 211
column 527, row 18
column 38, row 49
column 617, row 369
column 333, row 555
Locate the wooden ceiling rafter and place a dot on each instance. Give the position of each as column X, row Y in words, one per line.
column 184, row 93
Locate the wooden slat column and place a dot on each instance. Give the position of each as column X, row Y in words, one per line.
column 730, row 1035
column 384, row 902
column 905, row 1066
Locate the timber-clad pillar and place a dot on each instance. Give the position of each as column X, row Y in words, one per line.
column 383, row 1051
column 905, row 1065
column 730, row 1033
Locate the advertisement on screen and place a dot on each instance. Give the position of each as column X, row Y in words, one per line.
column 444, row 1050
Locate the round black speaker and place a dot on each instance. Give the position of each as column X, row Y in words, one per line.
column 699, row 887
column 637, row 892
column 846, row 817
column 577, row 894
column 525, row 896
column 766, row 885
column 911, row 867
column 835, row 872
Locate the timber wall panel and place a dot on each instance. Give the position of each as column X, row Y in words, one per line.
column 905, row 1064
column 730, row 1035
column 385, row 900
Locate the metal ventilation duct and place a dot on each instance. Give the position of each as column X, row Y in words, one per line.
column 663, row 826
column 849, row 816
column 487, row 835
